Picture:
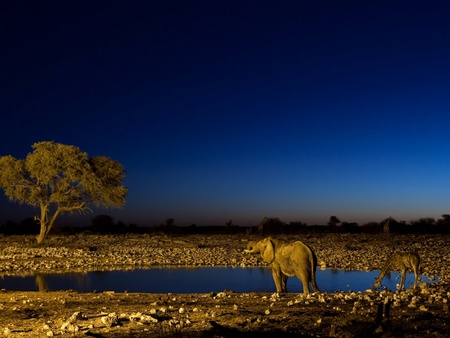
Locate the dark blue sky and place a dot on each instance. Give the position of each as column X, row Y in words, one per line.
column 237, row 110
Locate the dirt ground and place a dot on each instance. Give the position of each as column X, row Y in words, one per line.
column 412, row 313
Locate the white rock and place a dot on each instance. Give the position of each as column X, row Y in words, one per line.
column 111, row 319
column 69, row 327
column 423, row 308
column 322, row 298
column 135, row 316
column 75, row 316
column 148, row 319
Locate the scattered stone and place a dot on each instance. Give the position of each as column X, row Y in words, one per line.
column 68, row 327
column 136, row 251
column 76, row 315
column 146, row 319
column 111, row 319
column 423, row 308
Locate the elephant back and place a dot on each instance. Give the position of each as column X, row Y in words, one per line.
column 311, row 253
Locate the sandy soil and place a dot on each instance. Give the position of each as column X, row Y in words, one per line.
column 411, row 313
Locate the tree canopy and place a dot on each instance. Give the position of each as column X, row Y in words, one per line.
column 333, row 221
column 60, row 178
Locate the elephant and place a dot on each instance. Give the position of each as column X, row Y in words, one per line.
column 287, row 260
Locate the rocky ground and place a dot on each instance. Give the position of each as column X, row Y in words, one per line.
column 411, row 313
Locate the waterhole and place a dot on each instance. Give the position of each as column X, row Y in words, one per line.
column 196, row 280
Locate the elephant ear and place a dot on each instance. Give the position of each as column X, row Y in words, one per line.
column 268, row 255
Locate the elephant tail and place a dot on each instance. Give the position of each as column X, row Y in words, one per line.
column 313, row 262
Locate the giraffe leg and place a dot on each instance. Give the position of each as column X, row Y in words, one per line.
column 416, row 276
column 402, row 283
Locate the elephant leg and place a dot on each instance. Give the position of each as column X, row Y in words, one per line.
column 305, row 284
column 278, row 279
column 283, row 282
column 314, row 286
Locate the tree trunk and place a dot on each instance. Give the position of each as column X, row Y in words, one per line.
column 46, row 223
column 45, row 228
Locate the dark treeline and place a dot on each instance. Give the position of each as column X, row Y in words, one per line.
column 104, row 224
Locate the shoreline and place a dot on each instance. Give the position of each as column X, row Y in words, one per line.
column 81, row 253
column 414, row 313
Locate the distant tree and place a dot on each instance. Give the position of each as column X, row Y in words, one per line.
column 333, row 221
column 134, row 228
column 102, row 223
column 28, row 226
column 372, row 227
column 271, row 225
column 423, row 225
column 120, row 227
column 351, row 227
column 60, row 178
column 443, row 224
column 170, row 222
column 296, row 227
column 446, row 218
column 427, row 221
column 169, row 226
column 10, row 227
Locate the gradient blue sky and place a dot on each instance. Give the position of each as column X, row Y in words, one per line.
column 236, row 110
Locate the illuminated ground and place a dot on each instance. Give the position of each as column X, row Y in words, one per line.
column 423, row 312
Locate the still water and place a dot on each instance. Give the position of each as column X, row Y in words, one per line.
column 195, row 280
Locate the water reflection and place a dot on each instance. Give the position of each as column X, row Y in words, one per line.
column 195, row 280
column 41, row 282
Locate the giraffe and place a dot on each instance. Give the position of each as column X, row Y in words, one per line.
column 386, row 226
column 401, row 261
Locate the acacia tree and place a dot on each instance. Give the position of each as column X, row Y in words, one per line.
column 59, row 178
column 333, row 221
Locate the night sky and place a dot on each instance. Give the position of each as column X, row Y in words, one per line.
column 237, row 110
